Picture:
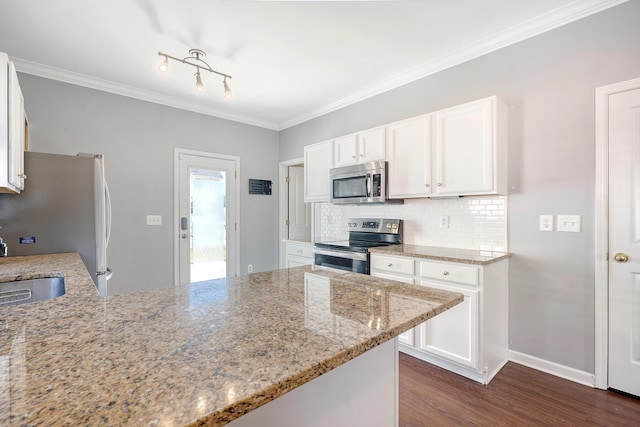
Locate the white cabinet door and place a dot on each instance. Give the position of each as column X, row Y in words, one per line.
column 372, row 145
column 453, row 334
column 318, row 159
column 345, row 151
column 293, row 261
column 409, row 156
column 465, row 142
column 12, row 129
column 16, row 131
column 367, row 146
column 407, row 337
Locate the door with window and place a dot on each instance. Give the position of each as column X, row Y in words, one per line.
column 206, row 209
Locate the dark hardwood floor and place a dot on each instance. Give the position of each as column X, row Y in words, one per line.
column 517, row 396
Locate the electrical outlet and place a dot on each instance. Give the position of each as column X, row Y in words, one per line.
column 154, row 219
column 444, row 221
column 250, row 268
column 569, row 223
column 546, row 222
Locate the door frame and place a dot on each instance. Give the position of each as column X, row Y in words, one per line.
column 283, row 196
column 602, row 95
column 176, row 206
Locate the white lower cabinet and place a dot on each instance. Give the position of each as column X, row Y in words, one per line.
column 298, row 253
column 470, row 339
column 458, row 344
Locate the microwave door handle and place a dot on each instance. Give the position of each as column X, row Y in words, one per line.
column 368, row 181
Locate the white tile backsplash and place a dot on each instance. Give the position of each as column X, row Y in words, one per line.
column 474, row 222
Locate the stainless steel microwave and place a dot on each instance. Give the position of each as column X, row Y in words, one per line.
column 360, row 184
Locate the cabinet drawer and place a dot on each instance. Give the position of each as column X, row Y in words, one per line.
column 300, row 249
column 392, row 264
column 449, row 273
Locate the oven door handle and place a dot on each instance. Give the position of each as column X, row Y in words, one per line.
column 349, row 255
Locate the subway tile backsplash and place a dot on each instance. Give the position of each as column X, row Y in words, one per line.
column 474, row 222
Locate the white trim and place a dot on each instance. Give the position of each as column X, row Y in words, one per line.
column 602, row 95
column 571, row 374
column 533, row 27
column 40, row 70
column 553, row 19
column 282, row 202
column 176, row 205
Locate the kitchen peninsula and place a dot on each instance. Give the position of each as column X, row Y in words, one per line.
column 205, row 354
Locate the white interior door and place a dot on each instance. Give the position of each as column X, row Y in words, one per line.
column 299, row 211
column 206, row 223
column 624, row 241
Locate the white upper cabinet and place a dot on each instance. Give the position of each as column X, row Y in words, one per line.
column 372, row 145
column 469, row 143
column 318, row 159
column 12, row 129
column 409, row 157
column 458, row 151
column 345, row 151
column 367, row 146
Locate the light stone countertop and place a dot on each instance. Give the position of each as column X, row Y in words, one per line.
column 465, row 256
column 300, row 240
column 188, row 355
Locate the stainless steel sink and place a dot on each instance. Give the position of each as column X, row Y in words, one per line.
column 27, row 291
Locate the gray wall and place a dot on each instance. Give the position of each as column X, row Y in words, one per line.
column 137, row 139
column 548, row 82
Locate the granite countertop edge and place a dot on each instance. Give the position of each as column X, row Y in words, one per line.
column 81, row 290
column 464, row 256
column 274, row 391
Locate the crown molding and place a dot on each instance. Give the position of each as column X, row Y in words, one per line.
column 553, row 19
column 574, row 11
column 40, row 70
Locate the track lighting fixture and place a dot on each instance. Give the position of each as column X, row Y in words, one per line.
column 195, row 60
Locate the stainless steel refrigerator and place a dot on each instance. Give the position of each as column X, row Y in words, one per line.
column 65, row 207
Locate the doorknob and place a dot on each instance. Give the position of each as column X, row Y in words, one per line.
column 183, row 235
column 620, row 257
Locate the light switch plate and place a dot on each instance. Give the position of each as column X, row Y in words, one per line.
column 569, row 223
column 154, row 219
column 546, row 222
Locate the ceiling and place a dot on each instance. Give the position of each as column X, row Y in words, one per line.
column 290, row 61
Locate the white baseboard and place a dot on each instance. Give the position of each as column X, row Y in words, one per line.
column 571, row 374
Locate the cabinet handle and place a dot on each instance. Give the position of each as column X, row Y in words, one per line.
column 353, row 157
column 446, row 273
column 439, row 184
column 427, row 185
column 299, row 251
column 390, row 265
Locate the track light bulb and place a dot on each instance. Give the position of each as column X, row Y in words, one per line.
column 199, row 85
column 164, row 65
column 227, row 91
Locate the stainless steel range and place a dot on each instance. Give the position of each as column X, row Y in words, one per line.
column 353, row 254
